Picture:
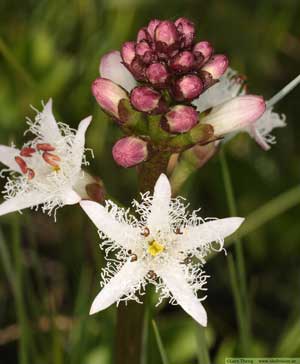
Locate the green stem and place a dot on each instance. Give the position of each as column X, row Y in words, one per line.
column 130, row 318
column 241, row 289
column 160, row 345
column 202, row 350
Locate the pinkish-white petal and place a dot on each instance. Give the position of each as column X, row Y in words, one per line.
column 49, row 129
column 21, row 201
column 7, row 157
column 174, row 279
column 112, row 68
column 208, row 232
column 79, row 142
column 159, row 213
column 122, row 233
column 70, row 197
column 260, row 140
column 127, row 280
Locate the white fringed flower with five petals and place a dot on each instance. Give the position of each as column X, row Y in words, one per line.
column 158, row 248
column 47, row 170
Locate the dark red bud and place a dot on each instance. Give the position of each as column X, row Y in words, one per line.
column 128, row 52
column 138, row 69
column 188, row 87
column 186, row 30
column 183, row 61
column 205, row 49
column 143, row 35
column 157, row 74
column 152, row 27
column 166, row 36
column 142, row 47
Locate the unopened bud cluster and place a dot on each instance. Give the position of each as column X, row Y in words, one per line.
column 166, row 57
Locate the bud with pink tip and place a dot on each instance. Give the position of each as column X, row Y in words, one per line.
column 186, row 30
column 142, row 47
column 130, row 151
column 108, row 95
column 157, row 74
column 166, row 36
column 143, row 35
column 235, row 114
column 180, row 119
column 128, row 52
column 188, row 87
column 152, row 27
column 183, row 61
column 205, row 49
column 216, row 66
column 146, row 99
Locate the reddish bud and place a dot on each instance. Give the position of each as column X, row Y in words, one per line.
column 138, row 69
column 22, row 164
column 146, row 99
column 183, row 61
column 216, row 66
column 108, row 95
column 187, row 31
column 152, row 27
column 143, row 35
column 180, row 119
column 157, row 74
column 30, row 173
column 51, row 159
column 128, row 52
column 130, row 151
column 45, row 147
column 205, row 49
column 188, row 87
column 166, row 35
column 27, row 151
column 142, row 47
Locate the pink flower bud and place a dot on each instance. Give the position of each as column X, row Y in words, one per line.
column 216, row 66
column 188, row 87
column 130, row 151
column 166, row 35
column 235, row 114
column 183, row 61
column 152, row 27
column 157, row 74
column 108, row 95
column 143, row 35
column 142, row 47
column 205, row 48
column 138, row 69
column 146, row 99
column 180, row 119
column 128, row 52
column 187, row 31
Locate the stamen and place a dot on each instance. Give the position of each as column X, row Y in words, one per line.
column 27, row 151
column 178, row 232
column 45, row 147
column 146, row 232
column 30, row 173
column 52, row 159
column 22, row 164
column 133, row 258
column 155, row 248
column 152, row 274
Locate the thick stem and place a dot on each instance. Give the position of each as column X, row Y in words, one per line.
column 130, row 318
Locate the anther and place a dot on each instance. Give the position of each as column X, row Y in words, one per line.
column 45, row 147
column 51, row 159
column 152, row 274
column 178, row 232
column 146, row 232
column 30, row 173
column 27, row 151
column 133, row 258
column 22, row 164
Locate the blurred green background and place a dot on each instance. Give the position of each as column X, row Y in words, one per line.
column 50, row 272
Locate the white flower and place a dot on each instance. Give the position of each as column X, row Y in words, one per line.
column 47, row 170
column 231, row 86
column 158, row 248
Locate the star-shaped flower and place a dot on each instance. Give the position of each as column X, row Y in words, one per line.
column 47, row 170
column 228, row 88
column 165, row 247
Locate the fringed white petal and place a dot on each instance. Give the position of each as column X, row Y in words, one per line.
column 7, row 157
column 208, row 232
column 122, row 233
column 79, row 141
column 159, row 214
column 174, row 279
column 111, row 67
column 129, row 276
column 21, row 201
column 70, row 197
column 48, row 129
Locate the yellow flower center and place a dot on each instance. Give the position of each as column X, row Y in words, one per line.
column 155, row 248
column 55, row 168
